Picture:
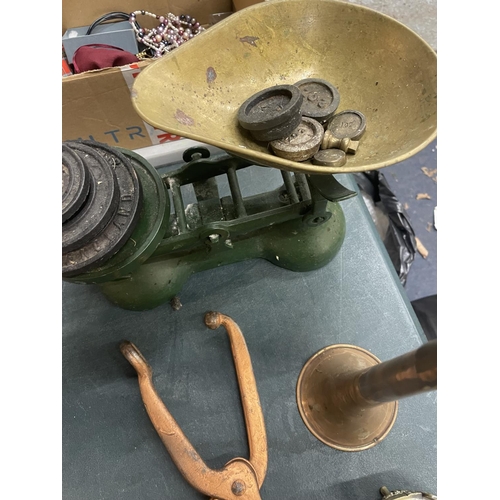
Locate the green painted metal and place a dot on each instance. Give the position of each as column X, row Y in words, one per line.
column 294, row 227
column 292, row 245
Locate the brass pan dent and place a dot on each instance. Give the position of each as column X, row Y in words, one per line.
column 378, row 65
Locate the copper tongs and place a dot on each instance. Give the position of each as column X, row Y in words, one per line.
column 239, row 478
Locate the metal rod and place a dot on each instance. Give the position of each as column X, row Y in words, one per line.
column 406, row 375
column 178, row 205
column 290, row 188
column 303, row 186
column 236, row 192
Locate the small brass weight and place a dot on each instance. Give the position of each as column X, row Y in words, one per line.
column 405, row 495
column 348, row 399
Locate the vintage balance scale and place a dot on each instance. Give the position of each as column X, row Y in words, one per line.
column 378, row 65
column 136, row 238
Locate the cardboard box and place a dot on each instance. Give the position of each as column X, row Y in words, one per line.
column 96, row 104
column 243, row 4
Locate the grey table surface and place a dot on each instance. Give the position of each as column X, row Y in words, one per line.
column 110, row 448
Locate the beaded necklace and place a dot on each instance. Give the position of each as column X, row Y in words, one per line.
column 171, row 31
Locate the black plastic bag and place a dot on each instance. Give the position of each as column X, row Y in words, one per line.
column 426, row 311
column 390, row 220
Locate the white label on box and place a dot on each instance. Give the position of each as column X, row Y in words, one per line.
column 156, row 135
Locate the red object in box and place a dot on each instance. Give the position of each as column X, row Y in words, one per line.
column 66, row 70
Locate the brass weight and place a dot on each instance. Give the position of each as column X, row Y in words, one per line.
column 344, row 131
column 405, row 495
column 330, row 157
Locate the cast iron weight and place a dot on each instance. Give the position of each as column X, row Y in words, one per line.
column 278, row 132
column 349, row 123
column 321, row 98
column 239, row 478
column 75, row 183
column 116, row 233
column 272, row 113
column 270, row 107
column 101, row 203
column 302, row 144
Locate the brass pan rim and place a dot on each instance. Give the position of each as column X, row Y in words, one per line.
column 310, row 366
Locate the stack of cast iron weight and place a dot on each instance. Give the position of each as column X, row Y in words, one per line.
column 101, row 203
column 116, row 211
column 293, row 119
column 272, row 113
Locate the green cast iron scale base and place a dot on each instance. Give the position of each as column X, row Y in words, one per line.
column 299, row 226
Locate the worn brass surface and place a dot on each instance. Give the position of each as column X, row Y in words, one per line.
column 378, row 65
column 239, row 478
column 348, row 399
